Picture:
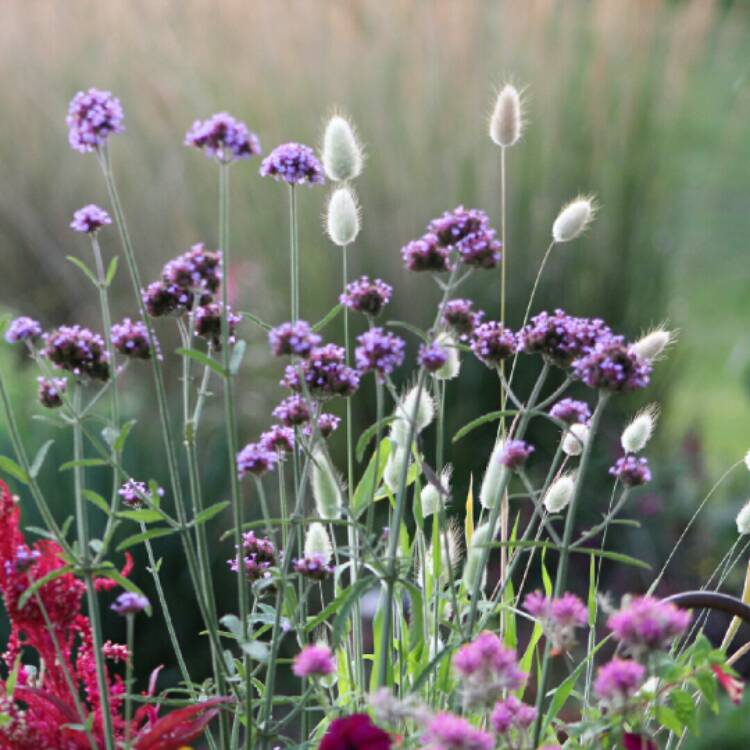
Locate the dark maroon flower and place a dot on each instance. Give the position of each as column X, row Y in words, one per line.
column 632, row 741
column 355, row 732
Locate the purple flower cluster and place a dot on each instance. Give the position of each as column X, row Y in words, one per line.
column 327, row 424
column 450, row 732
column 51, row 391
column 646, row 624
column 224, row 137
column 278, row 438
column 510, row 714
column 257, row 459
column 618, row 680
column 432, row 356
column 90, row 219
column 132, row 493
column 325, row 373
column 631, row 471
column 426, row 254
column 78, row 350
column 130, row 603
column 366, row 296
column 492, row 342
column 460, row 315
column 314, row 661
column 131, row 339
column 515, row 454
column 293, row 163
column 313, row 565
column 468, row 231
column 23, row 329
column 379, row 352
column 611, row 365
column 93, row 116
column 207, row 321
column 297, row 339
column 559, row 617
column 293, row 411
column 570, row 411
column 24, row 559
column 258, row 555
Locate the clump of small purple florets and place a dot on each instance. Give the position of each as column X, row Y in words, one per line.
column 492, row 342
column 294, row 338
column 570, row 411
column 432, row 356
column 632, row 471
column 258, row 556
column 510, row 714
column 257, row 459
column 325, row 373
column 559, row 617
column 313, row 565
column 90, row 219
column 93, row 116
column 611, row 365
column 366, row 296
column 327, row 423
column 379, row 352
column 294, row 163
column 207, row 320
column 278, row 438
column 426, row 254
column 224, row 137
column 292, row 411
column 130, row 603
column 78, row 350
column 460, row 315
column 23, row 329
column 131, row 339
column 468, row 231
column 134, row 492
column 617, row 681
column 515, row 453
column 447, row 731
column 51, row 391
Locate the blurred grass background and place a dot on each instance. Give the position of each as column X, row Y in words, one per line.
column 644, row 102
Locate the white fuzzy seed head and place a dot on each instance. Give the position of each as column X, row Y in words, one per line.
column 573, row 219
column 317, row 541
column 494, row 477
column 747, row 460
column 653, row 344
column 425, row 409
column 451, row 549
column 637, row 434
column 394, row 466
column 342, row 152
column 452, row 366
column 559, row 494
column 430, row 497
column 575, row 439
column 342, row 218
column 482, row 536
column 743, row 520
column 506, row 121
column 326, row 487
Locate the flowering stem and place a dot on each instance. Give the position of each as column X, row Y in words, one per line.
column 293, row 253
column 129, row 627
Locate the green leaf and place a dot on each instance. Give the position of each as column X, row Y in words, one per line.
column 126, row 583
column 238, row 353
column 9, row 466
column 36, row 465
column 142, row 515
column 203, row 359
column 351, row 591
column 81, row 266
column 328, row 317
column 255, row 319
column 418, row 332
column 39, row 582
column 111, row 271
column 119, row 443
column 144, row 536
column 370, row 433
column 668, row 718
column 491, row 416
column 685, row 708
column 209, row 513
column 83, row 463
column 96, row 499
column 361, row 495
column 707, row 685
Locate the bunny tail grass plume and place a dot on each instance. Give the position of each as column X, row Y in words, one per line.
column 743, row 520
column 317, row 541
column 430, row 497
column 506, row 121
column 747, row 460
column 451, row 548
column 482, row 536
column 342, row 217
column 652, row 345
column 573, row 219
column 575, row 439
column 405, row 411
column 637, row 434
column 494, row 476
column 559, row 494
column 326, row 487
column 452, row 366
column 342, row 153
column 394, row 466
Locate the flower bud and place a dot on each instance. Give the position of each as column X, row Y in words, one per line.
column 452, row 365
column 743, row 520
column 342, row 220
column 575, row 439
column 430, row 497
column 506, row 119
column 482, row 536
column 317, row 541
column 326, row 487
column 559, row 494
column 652, row 345
column 635, row 436
column 573, row 219
column 494, row 477
column 342, row 154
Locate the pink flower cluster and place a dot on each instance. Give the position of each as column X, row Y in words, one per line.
column 559, row 617
column 645, row 624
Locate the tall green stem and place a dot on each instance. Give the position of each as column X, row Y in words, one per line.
column 130, row 640
column 294, row 253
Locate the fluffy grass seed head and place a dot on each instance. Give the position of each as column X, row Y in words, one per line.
column 326, row 486
column 452, row 366
column 743, row 520
column 559, row 494
column 451, row 552
column 343, row 156
column 425, row 413
column 317, row 541
column 573, row 219
column 653, row 344
column 342, row 218
column 575, row 439
column 482, row 536
column 493, row 477
column 394, row 466
column 506, row 121
column 430, row 497
column 747, row 460
column 637, row 434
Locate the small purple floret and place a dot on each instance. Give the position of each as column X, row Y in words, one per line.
column 570, row 411
column 379, row 352
column 207, row 320
column 314, row 566
column 432, row 356
column 23, row 329
column 131, row 339
column 292, row 411
column 130, row 603
column 450, row 732
column 78, row 350
column 256, row 459
column 632, row 471
column 618, row 680
column 51, row 391
column 295, row 338
column 278, row 438
column 460, row 315
column 612, row 366
column 325, row 373
column 426, row 254
column 90, row 219
column 515, row 454
column 492, row 343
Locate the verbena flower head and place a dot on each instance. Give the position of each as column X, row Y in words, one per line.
column 131, row 339
column 355, row 732
column 611, row 365
column 480, row 250
column 631, row 470
column 257, row 459
column 23, row 329
column 90, row 219
column 618, row 680
column 562, row 338
column 278, row 438
column 515, row 454
column 460, row 315
column 293, row 411
column 324, row 372
column 78, row 350
column 645, row 624
column 293, row 163
column 294, row 338
column 492, row 342
column 365, row 296
column 426, row 254
column 570, row 411
column 258, row 556
column 559, row 617
column 468, row 231
column 207, row 321
column 313, row 565
column 133, row 493
column 314, row 661
column 197, row 272
column 130, row 603
column 432, row 356
column 51, row 391
column 327, row 423
column 450, row 732
column 223, row 137
column 511, row 714
column 93, row 116
column 379, row 351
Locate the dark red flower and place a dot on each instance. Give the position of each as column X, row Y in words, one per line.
column 355, row 732
column 731, row 685
column 632, row 741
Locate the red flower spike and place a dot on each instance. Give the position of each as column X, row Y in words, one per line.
column 107, row 584
column 632, row 741
column 731, row 685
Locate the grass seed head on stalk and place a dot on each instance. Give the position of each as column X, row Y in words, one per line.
column 574, row 218
column 343, row 156
column 506, row 121
column 430, row 496
column 326, row 486
column 559, row 494
column 494, row 476
column 652, row 345
column 343, row 216
column 575, row 438
column 637, row 434
column 743, row 520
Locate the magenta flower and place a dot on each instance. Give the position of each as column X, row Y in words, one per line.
column 93, row 116
column 258, row 555
column 632, row 471
column 645, row 624
column 365, row 296
column 618, row 680
column 256, row 459
column 450, row 732
column 515, row 454
column 570, row 411
column 313, row 565
column 559, row 617
column 314, row 661
column 224, row 137
column 511, row 713
column 492, row 343
column 90, row 219
column 355, row 732
column 293, row 163
column 296, row 339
